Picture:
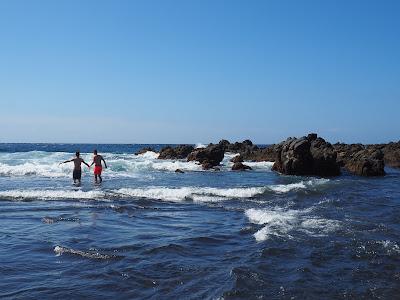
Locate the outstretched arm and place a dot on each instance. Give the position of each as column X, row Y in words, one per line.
column 85, row 163
column 105, row 165
column 64, row 162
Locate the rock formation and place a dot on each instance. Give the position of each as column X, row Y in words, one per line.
column 306, row 156
column 179, row 152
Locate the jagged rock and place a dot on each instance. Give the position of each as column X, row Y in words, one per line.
column 224, row 144
column 245, row 146
column 144, row 150
column 179, row 171
column 306, row 156
column 261, row 154
column 179, row 152
column 240, row 167
column 367, row 162
column 392, row 154
column 237, row 158
column 345, row 151
column 212, row 155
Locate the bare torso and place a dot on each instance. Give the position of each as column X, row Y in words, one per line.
column 77, row 163
column 97, row 160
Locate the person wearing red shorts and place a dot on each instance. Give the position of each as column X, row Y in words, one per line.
column 97, row 158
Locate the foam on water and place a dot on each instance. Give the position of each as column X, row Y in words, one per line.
column 46, row 164
column 309, row 184
column 59, row 250
column 281, row 222
column 51, row 194
column 201, row 194
column 200, row 145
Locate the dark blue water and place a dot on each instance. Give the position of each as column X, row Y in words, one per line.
column 148, row 232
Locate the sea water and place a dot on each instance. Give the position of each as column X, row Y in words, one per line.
column 148, row 232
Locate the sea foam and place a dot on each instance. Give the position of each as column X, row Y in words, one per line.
column 282, row 222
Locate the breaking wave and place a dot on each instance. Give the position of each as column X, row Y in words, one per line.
column 201, row 194
column 282, row 222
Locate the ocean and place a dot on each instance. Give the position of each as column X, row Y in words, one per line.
column 148, row 232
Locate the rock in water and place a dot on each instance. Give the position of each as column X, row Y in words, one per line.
column 392, row 155
column 238, row 166
column 179, row 152
column 260, row 154
column 367, row 162
column 144, row 150
column 306, row 156
column 210, row 156
column 179, row 171
column 237, row 158
column 345, row 151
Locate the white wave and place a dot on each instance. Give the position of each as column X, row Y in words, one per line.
column 59, row 250
column 281, row 222
column 390, row 247
column 168, row 165
column 149, row 155
column 285, row 188
column 200, row 145
column 51, row 194
column 200, row 194
column 261, row 165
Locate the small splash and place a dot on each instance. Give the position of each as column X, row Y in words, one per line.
column 284, row 222
column 59, row 250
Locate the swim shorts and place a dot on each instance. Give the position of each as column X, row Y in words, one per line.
column 97, row 170
column 77, row 174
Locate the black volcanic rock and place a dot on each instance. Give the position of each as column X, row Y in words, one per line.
column 345, row 152
column 366, row 162
column 237, row 158
column 240, row 167
column 392, row 154
column 306, row 156
column 212, row 155
column 179, row 152
column 260, row 154
column 238, row 147
column 144, row 150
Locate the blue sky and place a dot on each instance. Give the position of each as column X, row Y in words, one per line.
column 198, row 71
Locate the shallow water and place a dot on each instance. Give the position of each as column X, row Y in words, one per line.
column 148, row 232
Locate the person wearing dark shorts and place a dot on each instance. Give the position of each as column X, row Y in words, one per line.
column 77, row 173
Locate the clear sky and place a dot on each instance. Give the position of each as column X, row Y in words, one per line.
column 197, row 71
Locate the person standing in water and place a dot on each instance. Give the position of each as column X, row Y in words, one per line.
column 77, row 173
column 97, row 158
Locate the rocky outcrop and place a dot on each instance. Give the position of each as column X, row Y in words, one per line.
column 238, row 147
column 306, row 156
column 179, row 171
column 366, row 162
column 209, row 157
column 144, row 150
column 345, row 152
column 240, row 167
column 260, row 154
column 249, row 151
column 179, row 152
column 391, row 153
column 237, row 158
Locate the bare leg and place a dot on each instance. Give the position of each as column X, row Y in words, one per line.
column 101, row 179
column 95, row 178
